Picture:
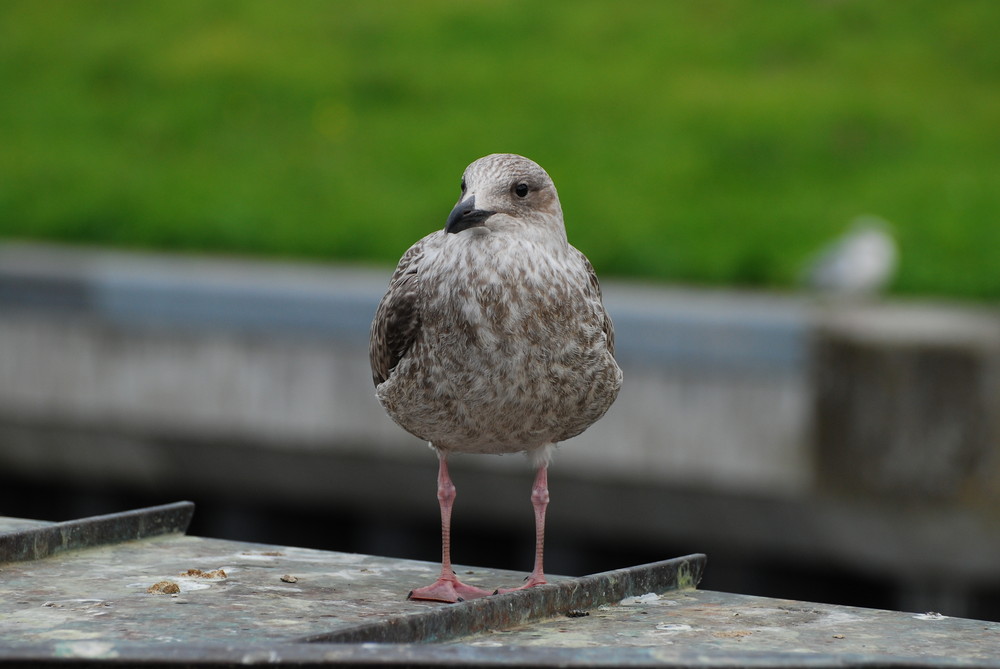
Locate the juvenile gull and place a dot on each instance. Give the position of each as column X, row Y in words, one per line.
column 492, row 338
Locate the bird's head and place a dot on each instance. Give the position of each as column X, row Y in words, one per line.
column 506, row 191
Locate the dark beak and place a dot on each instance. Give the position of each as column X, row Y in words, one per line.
column 465, row 215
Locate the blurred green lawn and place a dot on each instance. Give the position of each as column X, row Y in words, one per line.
column 701, row 141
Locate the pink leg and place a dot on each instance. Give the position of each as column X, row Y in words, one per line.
column 447, row 588
column 539, row 500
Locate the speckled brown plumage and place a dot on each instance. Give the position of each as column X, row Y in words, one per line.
column 492, row 336
column 495, row 339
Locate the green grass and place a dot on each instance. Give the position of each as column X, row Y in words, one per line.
column 701, row 141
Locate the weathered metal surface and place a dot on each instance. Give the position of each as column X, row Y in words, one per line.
column 98, row 654
column 718, row 623
column 235, row 603
column 39, row 541
column 8, row 525
column 102, row 593
column 526, row 606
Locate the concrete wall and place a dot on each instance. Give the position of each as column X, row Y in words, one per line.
column 278, row 355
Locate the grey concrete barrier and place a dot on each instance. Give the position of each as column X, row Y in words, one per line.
column 907, row 404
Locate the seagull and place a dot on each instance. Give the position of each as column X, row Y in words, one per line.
column 492, row 338
column 860, row 263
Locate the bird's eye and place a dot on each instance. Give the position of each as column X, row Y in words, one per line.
column 463, row 184
column 521, row 190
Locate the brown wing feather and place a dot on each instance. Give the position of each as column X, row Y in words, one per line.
column 397, row 319
column 595, row 287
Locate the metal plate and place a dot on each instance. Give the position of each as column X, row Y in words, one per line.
column 104, row 595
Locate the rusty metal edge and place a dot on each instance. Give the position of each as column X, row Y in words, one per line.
column 40, row 542
column 509, row 610
column 94, row 654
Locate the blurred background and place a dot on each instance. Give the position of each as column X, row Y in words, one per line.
column 793, row 208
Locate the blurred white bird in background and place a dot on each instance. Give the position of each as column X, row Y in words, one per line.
column 862, row 262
